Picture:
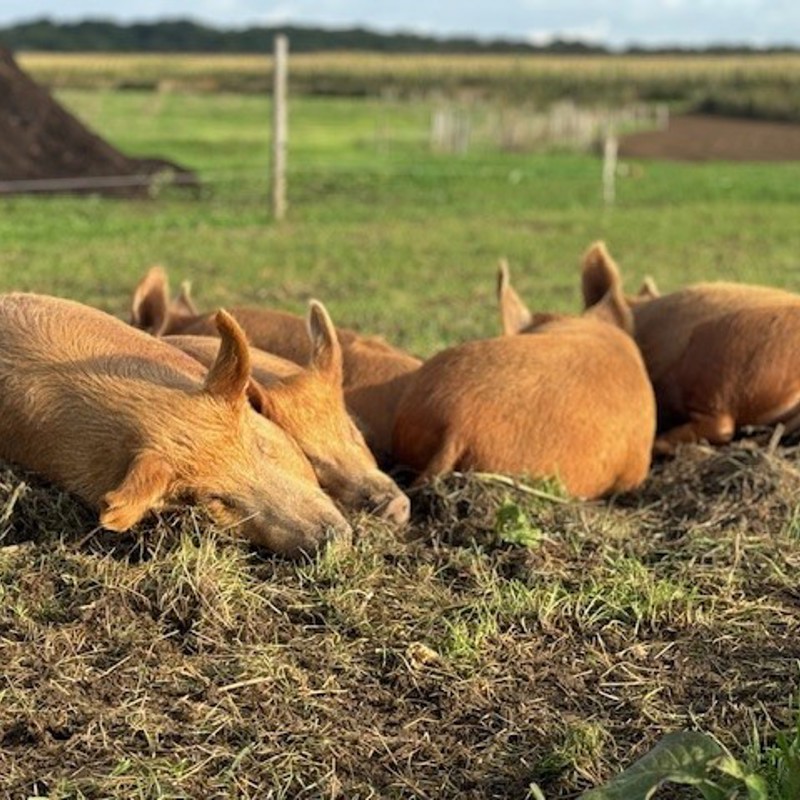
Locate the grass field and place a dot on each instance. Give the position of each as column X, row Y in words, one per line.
column 505, row 639
column 372, row 211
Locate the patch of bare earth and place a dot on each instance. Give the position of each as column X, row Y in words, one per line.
column 450, row 662
column 696, row 137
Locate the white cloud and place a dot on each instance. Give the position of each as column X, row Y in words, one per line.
column 219, row 7
column 279, row 14
column 614, row 22
column 596, row 32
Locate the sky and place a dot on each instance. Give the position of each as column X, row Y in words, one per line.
column 611, row 22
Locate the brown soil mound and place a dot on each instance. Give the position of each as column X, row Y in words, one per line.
column 707, row 138
column 41, row 141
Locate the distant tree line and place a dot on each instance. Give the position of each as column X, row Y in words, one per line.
column 187, row 36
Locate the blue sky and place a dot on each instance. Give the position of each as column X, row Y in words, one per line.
column 615, row 22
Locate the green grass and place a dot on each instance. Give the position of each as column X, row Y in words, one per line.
column 373, row 214
column 509, row 638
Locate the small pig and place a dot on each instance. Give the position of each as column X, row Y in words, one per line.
column 308, row 403
column 131, row 424
column 374, row 372
column 720, row 355
column 571, row 401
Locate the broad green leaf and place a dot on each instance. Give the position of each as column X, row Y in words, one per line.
column 679, row 757
column 755, row 784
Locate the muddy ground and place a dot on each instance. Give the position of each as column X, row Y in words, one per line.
column 707, row 138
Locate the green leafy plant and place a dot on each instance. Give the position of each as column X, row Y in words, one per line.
column 787, row 764
column 779, row 762
column 514, row 526
column 695, row 759
column 690, row 758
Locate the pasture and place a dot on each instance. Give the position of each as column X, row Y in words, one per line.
column 508, row 636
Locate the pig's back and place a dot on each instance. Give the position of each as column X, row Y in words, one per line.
column 38, row 329
column 664, row 326
column 77, row 388
column 569, row 402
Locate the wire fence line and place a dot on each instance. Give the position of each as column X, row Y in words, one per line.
column 450, row 131
column 257, row 174
column 44, row 185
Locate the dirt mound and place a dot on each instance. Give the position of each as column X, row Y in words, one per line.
column 707, row 138
column 41, row 141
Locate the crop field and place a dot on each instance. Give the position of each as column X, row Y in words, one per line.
column 508, row 637
column 749, row 85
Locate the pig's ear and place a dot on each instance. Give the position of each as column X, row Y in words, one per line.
column 257, row 397
column 142, row 490
column 229, row 375
column 326, row 352
column 614, row 309
column 602, row 289
column 648, row 290
column 514, row 314
column 149, row 307
column 599, row 274
column 183, row 303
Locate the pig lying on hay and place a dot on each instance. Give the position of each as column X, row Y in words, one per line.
column 569, row 399
column 374, row 372
column 308, row 403
column 131, row 425
column 721, row 356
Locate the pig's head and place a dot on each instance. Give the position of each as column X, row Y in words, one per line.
column 310, row 407
column 210, row 447
column 153, row 311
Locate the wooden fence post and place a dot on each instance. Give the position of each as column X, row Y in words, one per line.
column 279, row 126
column 662, row 116
column 609, row 168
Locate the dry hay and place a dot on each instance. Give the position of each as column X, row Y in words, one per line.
column 454, row 663
column 32, row 510
column 742, row 484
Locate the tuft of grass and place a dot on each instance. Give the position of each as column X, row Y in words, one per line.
column 630, row 592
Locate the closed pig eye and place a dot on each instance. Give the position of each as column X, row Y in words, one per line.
column 226, row 501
